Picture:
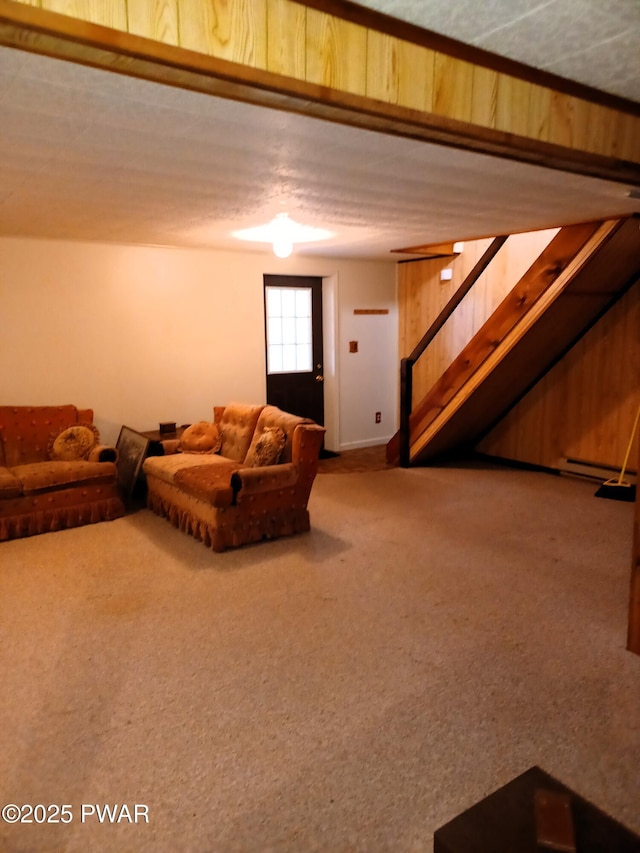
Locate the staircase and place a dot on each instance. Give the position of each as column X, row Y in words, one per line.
column 576, row 279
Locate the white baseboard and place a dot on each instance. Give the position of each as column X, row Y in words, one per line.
column 369, row 442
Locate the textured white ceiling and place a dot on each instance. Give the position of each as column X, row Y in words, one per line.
column 596, row 42
column 91, row 155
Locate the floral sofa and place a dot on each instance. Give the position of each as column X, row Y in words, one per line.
column 54, row 473
column 244, row 477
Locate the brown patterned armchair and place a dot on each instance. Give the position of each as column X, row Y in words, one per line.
column 53, row 472
column 231, row 497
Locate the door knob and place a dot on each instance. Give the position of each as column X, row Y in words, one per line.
column 319, row 378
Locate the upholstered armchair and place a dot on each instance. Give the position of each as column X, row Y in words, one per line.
column 255, row 486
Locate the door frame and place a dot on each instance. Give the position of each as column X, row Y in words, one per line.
column 331, row 338
column 330, row 343
column 298, row 390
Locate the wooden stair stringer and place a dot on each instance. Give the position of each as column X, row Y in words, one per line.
column 542, row 274
column 429, row 421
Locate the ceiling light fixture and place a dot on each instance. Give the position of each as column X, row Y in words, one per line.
column 282, row 236
column 283, row 232
column 282, row 247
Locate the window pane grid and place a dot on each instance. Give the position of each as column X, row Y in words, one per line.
column 289, row 348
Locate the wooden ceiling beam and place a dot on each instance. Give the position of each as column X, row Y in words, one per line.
column 40, row 31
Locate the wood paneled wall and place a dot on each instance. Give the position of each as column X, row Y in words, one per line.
column 633, row 632
column 313, row 46
column 582, row 409
column 585, row 406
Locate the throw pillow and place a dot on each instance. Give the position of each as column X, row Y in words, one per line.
column 266, row 448
column 73, row 443
column 202, row 437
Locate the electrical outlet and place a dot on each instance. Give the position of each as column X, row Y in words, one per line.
column 378, row 417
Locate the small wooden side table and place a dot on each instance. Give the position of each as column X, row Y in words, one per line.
column 156, row 435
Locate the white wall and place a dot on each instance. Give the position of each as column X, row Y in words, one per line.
column 369, row 378
column 145, row 334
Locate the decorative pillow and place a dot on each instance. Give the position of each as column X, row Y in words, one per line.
column 74, row 442
column 202, row 437
column 266, row 448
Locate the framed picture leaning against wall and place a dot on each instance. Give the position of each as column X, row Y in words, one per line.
column 132, row 448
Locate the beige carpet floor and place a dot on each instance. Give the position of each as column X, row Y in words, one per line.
column 437, row 633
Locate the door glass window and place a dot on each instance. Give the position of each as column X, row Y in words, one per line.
column 288, row 329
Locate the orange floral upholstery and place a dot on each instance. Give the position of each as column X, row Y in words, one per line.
column 210, row 483
column 74, row 442
column 238, row 423
column 38, row 494
column 25, row 431
column 222, row 501
column 202, row 437
column 10, row 486
column 42, row 476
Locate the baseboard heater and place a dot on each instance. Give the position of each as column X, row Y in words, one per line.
column 593, row 470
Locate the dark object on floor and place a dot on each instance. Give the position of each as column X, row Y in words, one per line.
column 507, row 821
column 617, row 491
column 554, row 820
column 620, row 489
column 328, row 454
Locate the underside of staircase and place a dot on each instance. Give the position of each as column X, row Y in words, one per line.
column 581, row 273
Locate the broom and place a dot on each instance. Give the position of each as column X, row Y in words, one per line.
column 620, row 489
